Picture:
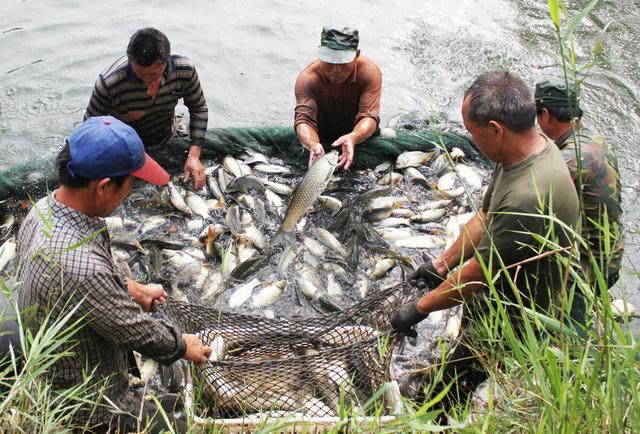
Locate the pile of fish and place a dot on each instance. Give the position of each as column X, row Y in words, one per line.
column 261, row 239
column 258, row 239
column 315, row 381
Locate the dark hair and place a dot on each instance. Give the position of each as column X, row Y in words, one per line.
column 502, row 97
column 563, row 114
column 66, row 179
column 147, row 46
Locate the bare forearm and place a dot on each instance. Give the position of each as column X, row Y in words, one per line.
column 461, row 285
column 463, row 247
column 364, row 129
column 307, row 135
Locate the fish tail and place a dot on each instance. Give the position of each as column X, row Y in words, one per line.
column 283, row 235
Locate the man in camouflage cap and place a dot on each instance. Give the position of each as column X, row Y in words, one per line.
column 337, row 97
column 597, row 182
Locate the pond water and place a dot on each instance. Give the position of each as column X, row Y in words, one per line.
column 249, row 53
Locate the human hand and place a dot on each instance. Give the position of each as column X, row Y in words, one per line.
column 196, row 351
column 426, row 276
column 194, row 167
column 347, row 143
column 147, row 296
column 406, row 317
column 316, row 151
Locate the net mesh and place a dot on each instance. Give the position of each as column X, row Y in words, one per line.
column 310, row 366
column 35, row 176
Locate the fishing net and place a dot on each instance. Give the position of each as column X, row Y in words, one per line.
column 310, row 366
column 33, row 177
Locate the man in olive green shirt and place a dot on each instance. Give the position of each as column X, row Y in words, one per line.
column 530, row 183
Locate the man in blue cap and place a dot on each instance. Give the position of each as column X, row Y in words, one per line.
column 66, row 263
column 337, row 97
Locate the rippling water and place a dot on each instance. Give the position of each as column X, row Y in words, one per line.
column 249, row 53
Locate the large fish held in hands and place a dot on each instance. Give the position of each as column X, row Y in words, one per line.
column 306, row 193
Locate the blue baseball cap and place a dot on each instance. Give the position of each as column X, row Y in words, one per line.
column 105, row 147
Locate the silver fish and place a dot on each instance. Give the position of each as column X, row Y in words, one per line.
column 314, row 247
column 394, row 234
column 287, row 257
column 247, row 200
column 269, row 294
column 255, row 236
column 453, row 193
column 151, row 223
column 306, row 193
column 254, row 157
column 233, row 219
column 420, row 242
column 243, row 293
column 235, row 167
column 416, row 176
column 330, row 203
column 384, row 202
column 7, row 252
column 382, row 267
column 329, row 240
column 195, row 224
column 223, row 179
column 212, row 287
column 176, row 195
column 392, row 222
column 214, row 204
column 277, row 187
column 333, row 287
column 246, row 183
column 197, row 205
column 447, row 181
column 273, row 199
column 392, row 178
column 271, row 168
column 456, row 154
column 402, row 212
column 413, row 158
column 116, row 223
column 622, row 308
column 435, row 204
column 469, row 176
column 382, row 167
column 427, row 216
column 212, row 183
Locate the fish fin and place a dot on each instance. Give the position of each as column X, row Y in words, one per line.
column 284, row 235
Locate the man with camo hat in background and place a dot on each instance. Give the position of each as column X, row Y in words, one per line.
column 337, row 97
column 597, row 181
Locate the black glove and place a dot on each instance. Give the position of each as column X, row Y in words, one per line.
column 406, row 317
column 425, row 276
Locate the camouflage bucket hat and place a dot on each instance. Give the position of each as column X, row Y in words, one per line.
column 554, row 93
column 338, row 45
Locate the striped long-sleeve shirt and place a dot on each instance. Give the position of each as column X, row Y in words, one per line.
column 120, row 93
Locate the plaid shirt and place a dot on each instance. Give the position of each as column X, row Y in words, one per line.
column 55, row 280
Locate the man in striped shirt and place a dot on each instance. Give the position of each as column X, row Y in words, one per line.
column 142, row 89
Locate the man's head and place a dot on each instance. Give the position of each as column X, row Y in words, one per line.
column 497, row 106
column 149, row 51
column 338, row 52
column 556, row 106
column 101, row 160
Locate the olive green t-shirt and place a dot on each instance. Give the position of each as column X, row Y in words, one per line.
column 518, row 203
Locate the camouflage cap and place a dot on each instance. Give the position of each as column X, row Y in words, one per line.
column 338, row 45
column 554, row 93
